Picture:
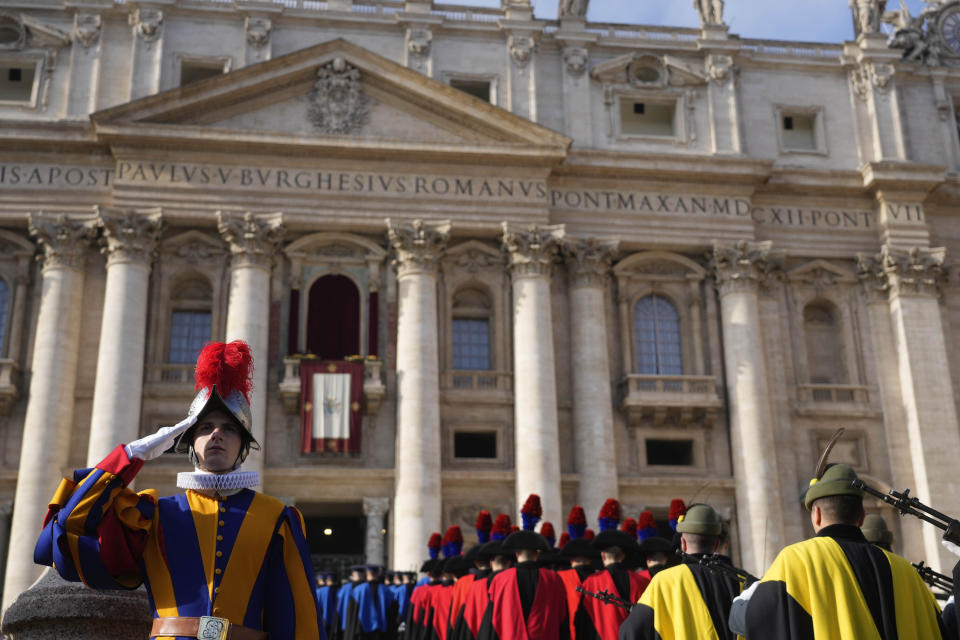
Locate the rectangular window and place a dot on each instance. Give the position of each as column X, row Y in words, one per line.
column 476, row 88
column 189, row 331
column 191, row 72
column 799, row 132
column 469, row 444
column 16, row 82
column 670, row 452
column 642, row 118
column 471, row 344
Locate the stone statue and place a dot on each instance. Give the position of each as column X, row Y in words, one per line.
column 867, row 15
column 573, row 8
column 710, row 12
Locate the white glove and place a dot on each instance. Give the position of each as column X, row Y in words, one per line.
column 153, row 446
column 949, row 546
column 748, row 592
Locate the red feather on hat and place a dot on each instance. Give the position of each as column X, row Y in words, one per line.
column 514, row 529
column 546, row 530
column 677, row 508
column 610, row 509
column 502, row 524
column 630, row 526
column 577, row 516
column 646, row 521
column 589, row 535
column 532, row 506
column 564, row 539
column 227, row 365
column 484, row 521
column 453, row 534
column 436, row 541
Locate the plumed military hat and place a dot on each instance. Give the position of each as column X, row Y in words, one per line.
column 837, row 480
column 525, row 541
column 472, row 554
column 656, row 544
column 700, row 519
column 615, row 538
column 457, row 565
column 428, row 566
column 580, row 548
column 875, row 530
column 491, row 549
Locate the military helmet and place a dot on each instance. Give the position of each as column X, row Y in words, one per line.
column 837, row 480
column 701, row 519
column 875, row 530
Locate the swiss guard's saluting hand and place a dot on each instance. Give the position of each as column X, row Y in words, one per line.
column 220, row 560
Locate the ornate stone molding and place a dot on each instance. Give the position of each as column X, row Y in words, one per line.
column 258, row 30
column 419, row 40
column 129, row 236
column 65, row 240
column 376, row 506
column 877, row 75
column 533, row 250
column 253, row 239
column 147, row 23
column 917, row 272
column 418, row 245
column 337, row 103
column 575, row 59
column 743, row 265
column 86, row 29
column 721, row 68
column 522, row 48
column 589, row 261
column 710, row 12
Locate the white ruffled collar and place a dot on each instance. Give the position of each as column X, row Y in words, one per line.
column 224, row 484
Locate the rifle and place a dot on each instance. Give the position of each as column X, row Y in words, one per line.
column 907, row 504
column 935, row 580
column 715, row 564
column 607, row 598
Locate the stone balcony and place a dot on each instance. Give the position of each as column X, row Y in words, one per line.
column 481, row 386
column 373, row 387
column 837, row 400
column 9, row 385
column 670, row 399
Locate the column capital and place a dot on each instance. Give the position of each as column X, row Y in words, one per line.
column 376, row 506
column 914, row 272
column 253, row 238
column 532, row 250
column 65, row 239
column 129, row 236
column 418, row 245
column 589, row 260
column 743, row 265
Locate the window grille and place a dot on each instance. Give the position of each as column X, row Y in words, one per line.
column 657, row 332
column 471, row 344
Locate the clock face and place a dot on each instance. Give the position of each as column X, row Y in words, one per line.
column 950, row 30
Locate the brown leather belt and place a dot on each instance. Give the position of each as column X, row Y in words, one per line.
column 206, row 628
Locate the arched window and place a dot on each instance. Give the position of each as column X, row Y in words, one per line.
column 4, row 306
column 190, row 320
column 333, row 318
column 471, row 331
column 656, row 326
column 825, row 357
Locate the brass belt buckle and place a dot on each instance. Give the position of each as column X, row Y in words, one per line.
column 211, row 628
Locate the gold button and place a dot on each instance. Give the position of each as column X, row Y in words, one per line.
column 216, row 589
column 219, row 554
column 221, row 523
column 217, row 571
column 219, row 537
column 222, row 510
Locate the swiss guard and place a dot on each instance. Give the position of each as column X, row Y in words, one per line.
column 836, row 584
column 219, row 560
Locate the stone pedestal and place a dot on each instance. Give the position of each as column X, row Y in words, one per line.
column 532, row 253
column 739, row 270
column 54, row 609
column 416, row 505
column 49, row 417
column 253, row 241
column 130, row 242
column 589, row 262
column 374, row 509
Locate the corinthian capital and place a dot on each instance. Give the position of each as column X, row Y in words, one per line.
column 588, row 260
column 418, row 245
column 65, row 240
column 743, row 265
column 253, row 239
column 129, row 236
column 532, row 250
column 899, row 272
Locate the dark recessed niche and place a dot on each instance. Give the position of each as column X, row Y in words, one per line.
column 475, row 444
column 476, row 88
column 677, row 453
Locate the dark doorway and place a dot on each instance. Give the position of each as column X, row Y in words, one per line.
column 333, row 318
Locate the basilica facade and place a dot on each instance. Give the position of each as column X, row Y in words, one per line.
column 478, row 255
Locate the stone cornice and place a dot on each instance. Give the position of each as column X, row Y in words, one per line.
column 65, row 239
column 532, row 250
column 915, row 272
column 589, row 260
column 129, row 236
column 418, row 245
column 743, row 265
column 253, row 239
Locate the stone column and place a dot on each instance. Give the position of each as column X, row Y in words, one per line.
column 253, row 240
column 912, row 280
column 739, row 270
column 416, row 505
column 589, row 262
column 532, row 252
column 49, row 417
column 129, row 241
column 374, row 509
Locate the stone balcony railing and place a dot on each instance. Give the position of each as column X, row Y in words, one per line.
column 9, row 385
column 172, row 374
column 836, row 400
column 373, row 387
column 460, row 385
column 673, row 399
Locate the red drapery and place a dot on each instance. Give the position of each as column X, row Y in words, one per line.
column 333, row 318
column 309, row 444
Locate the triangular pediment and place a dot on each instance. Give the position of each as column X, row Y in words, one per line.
column 821, row 273
column 333, row 94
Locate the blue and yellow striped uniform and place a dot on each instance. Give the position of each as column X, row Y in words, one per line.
column 242, row 557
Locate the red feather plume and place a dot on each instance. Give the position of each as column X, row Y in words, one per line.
column 546, row 530
column 564, row 539
column 453, row 534
column 514, row 529
column 589, row 535
column 646, row 521
column 610, row 509
column 227, row 365
column 532, row 506
column 630, row 526
column 502, row 524
column 677, row 508
column 577, row 516
column 484, row 521
column 436, row 541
